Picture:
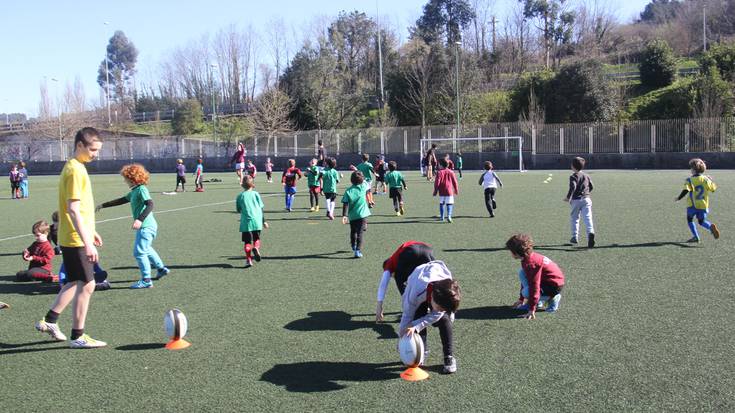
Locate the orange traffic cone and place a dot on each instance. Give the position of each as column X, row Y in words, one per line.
column 414, row 374
column 178, row 344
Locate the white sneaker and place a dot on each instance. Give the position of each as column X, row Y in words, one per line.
column 86, row 341
column 450, row 365
column 52, row 329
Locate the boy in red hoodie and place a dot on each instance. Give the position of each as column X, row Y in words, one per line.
column 445, row 185
column 541, row 278
column 39, row 256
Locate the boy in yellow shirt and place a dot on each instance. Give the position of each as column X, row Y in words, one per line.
column 698, row 186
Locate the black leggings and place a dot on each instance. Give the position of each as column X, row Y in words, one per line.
column 32, row 274
column 460, row 172
column 397, row 196
column 410, row 258
column 445, row 330
column 490, row 200
column 357, row 228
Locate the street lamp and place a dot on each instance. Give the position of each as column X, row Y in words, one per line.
column 458, row 44
column 58, row 103
column 107, row 81
column 214, row 107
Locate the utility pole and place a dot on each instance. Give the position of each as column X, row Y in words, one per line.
column 492, row 23
column 107, row 82
column 457, row 44
column 704, row 27
column 380, row 61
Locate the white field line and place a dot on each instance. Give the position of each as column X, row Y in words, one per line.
column 157, row 212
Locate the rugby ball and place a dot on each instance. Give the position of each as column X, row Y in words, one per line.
column 411, row 350
column 174, row 321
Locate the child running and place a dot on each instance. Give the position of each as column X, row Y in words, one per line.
column 330, row 179
column 355, row 201
column 431, row 296
column 251, row 169
column 314, row 181
column 396, row 185
column 367, row 170
column 490, row 182
column 380, row 169
column 199, row 176
column 460, row 163
column 180, row 175
column 541, row 279
column 144, row 223
column 290, row 177
column 445, row 184
column 268, row 170
column 698, row 186
column 578, row 196
column 250, row 206
column 39, row 256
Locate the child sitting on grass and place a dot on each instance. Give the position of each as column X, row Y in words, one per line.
column 541, row 279
column 100, row 275
column 144, row 223
column 330, row 179
column 250, row 206
column 39, row 256
column 396, row 185
column 355, row 201
column 698, row 186
column 430, row 298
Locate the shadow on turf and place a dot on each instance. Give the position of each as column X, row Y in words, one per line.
column 6, row 348
column 475, row 249
column 322, row 376
column 571, row 248
column 339, row 321
column 182, row 267
column 324, row 256
column 10, row 254
column 26, row 288
column 141, row 346
column 497, row 312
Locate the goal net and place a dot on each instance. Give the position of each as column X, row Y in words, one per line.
column 509, row 148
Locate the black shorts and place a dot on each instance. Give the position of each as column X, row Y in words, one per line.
column 410, row 258
column 78, row 267
column 180, row 180
column 331, row 196
column 250, row 237
column 380, row 177
column 550, row 290
column 395, row 192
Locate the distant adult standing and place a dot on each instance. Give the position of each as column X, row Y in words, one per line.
column 239, row 160
column 431, row 162
column 321, row 154
column 79, row 241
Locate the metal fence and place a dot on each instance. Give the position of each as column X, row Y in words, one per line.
column 675, row 135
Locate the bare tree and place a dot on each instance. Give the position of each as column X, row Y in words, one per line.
column 534, row 117
column 271, row 114
column 418, row 71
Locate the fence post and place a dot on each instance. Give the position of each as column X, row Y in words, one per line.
column 506, row 140
column 275, row 145
column 479, row 140
column 653, row 138
column 722, row 136
column 591, row 145
column 428, row 136
column 337, row 144
column 686, row 137
column 533, row 139
column 405, row 142
column 316, row 142
column 255, row 145
column 382, row 142
column 130, row 146
column 50, row 154
column 454, row 141
column 621, row 138
column 295, row 145
column 561, row 141
column 200, row 148
column 114, row 151
column 359, row 143
column 183, row 147
column 148, row 148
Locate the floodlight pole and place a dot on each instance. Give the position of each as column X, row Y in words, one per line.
column 458, row 44
column 214, row 107
column 107, row 81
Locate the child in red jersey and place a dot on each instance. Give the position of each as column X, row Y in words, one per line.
column 290, row 177
column 541, row 278
column 251, row 169
column 445, row 184
column 39, row 256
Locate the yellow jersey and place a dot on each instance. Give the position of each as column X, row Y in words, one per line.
column 74, row 184
column 699, row 187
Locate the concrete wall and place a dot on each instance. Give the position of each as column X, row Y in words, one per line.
column 501, row 160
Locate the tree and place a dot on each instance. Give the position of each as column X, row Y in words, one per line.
column 444, row 19
column 188, row 118
column 579, row 93
column 660, row 11
column 270, row 114
column 722, row 57
column 657, row 65
column 555, row 23
column 121, row 59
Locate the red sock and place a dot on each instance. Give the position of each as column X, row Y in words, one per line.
column 257, row 244
column 248, row 248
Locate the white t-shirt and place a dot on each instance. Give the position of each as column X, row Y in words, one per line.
column 489, row 180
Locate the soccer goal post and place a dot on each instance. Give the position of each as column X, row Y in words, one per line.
column 481, row 145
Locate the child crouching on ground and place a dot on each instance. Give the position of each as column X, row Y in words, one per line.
column 250, row 206
column 144, row 223
column 39, row 256
column 541, row 279
column 431, row 296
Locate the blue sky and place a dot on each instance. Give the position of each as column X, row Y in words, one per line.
column 65, row 39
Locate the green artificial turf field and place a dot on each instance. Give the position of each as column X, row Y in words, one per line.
column 645, row 322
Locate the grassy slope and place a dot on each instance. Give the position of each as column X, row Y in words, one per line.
column 644, row 325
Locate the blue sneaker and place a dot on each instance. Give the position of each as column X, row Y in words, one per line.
column 553, row 304
column 142, row 284
column 162, row 272
column 523, row 307
column 358, row 254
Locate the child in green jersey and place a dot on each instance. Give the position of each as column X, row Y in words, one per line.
column 396, row 185
column 355, row 201
column 314, row 180
column 330, row 179
column 144, row 223
column 250, row 206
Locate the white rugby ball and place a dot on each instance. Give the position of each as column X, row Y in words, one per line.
column 411, row 350
column 174, row 321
